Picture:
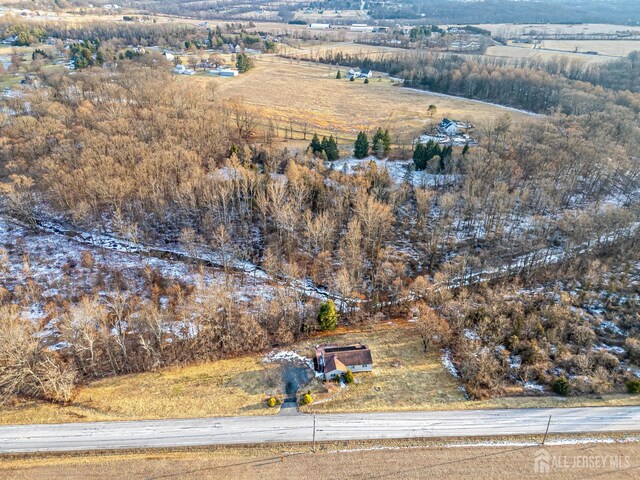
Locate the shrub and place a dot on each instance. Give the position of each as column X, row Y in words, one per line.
column 306, row 399
column 366, row 80
column 348, row 377
column 272, row 402
column 633, row 386
column 561, row 386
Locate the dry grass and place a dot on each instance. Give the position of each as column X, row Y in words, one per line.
column 418, row 460
column 227, row 387
column 406, row 379
column 305, row 93
column 614, row 48
column 526, row 51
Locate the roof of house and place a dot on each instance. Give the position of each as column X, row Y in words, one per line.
column 347, row 356
column 334, row 364
column 446, row 122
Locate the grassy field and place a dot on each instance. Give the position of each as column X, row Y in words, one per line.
column 392, row 460
column 526, row 51
column 614, row 48
column 302, row 93
column 226, row 387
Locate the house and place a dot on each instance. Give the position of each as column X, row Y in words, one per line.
column 333, row 361
column 365, row 74
column 169, row 56
column 448, row 126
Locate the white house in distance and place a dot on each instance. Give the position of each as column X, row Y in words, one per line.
column 169, row 56
column 448, row 126
column 333, row 361
column 320, row 26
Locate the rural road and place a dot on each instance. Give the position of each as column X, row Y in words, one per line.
column 299, row 428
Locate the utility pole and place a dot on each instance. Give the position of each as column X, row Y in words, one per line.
column 314, row 433
column 547, row 431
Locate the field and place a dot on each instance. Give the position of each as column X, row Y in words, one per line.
column 303, row 94
column 226, row 387
column 554, row 28
column 396, row 460
column 613, row 48
column 527, row 51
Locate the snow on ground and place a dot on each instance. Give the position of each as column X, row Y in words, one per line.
column 54, row 263
column 398, row 171
column 533, row 386
column 288, row 356
column 447, row 362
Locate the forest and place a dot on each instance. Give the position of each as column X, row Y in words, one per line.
column 471, row 253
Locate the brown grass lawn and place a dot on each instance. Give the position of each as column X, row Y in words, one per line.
column 227, row 387
column 305, row 93
column 335, row 461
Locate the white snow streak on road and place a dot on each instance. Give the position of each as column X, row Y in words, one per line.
column 299, row 428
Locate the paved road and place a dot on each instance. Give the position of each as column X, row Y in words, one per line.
column 299, row 428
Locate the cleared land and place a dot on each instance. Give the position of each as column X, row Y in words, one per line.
column 527, row 51
column 351, row 460
column 293, row 93
column 614, row 48
column 226, row 387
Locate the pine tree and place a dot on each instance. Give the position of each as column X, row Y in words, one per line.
column 325, row 144
column 361, row 146
column 386, row 140
column 328, row 316
column 381, row 143
column 352, row 79
column 338, row 75
column 315, row 145
column 366, row 80
column 332, row 149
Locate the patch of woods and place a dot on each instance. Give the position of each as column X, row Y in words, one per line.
column 133, row 153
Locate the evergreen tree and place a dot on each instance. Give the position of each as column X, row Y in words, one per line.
column 423, row 153
column 325, row 144
column 338, row 75
column 332, row 149
column 366, row 80
column 386, row 140
column 352, row 79
column 316, row 146
column 465, row 149
column 361, row 146
column 327, row 315
column 244, row 62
